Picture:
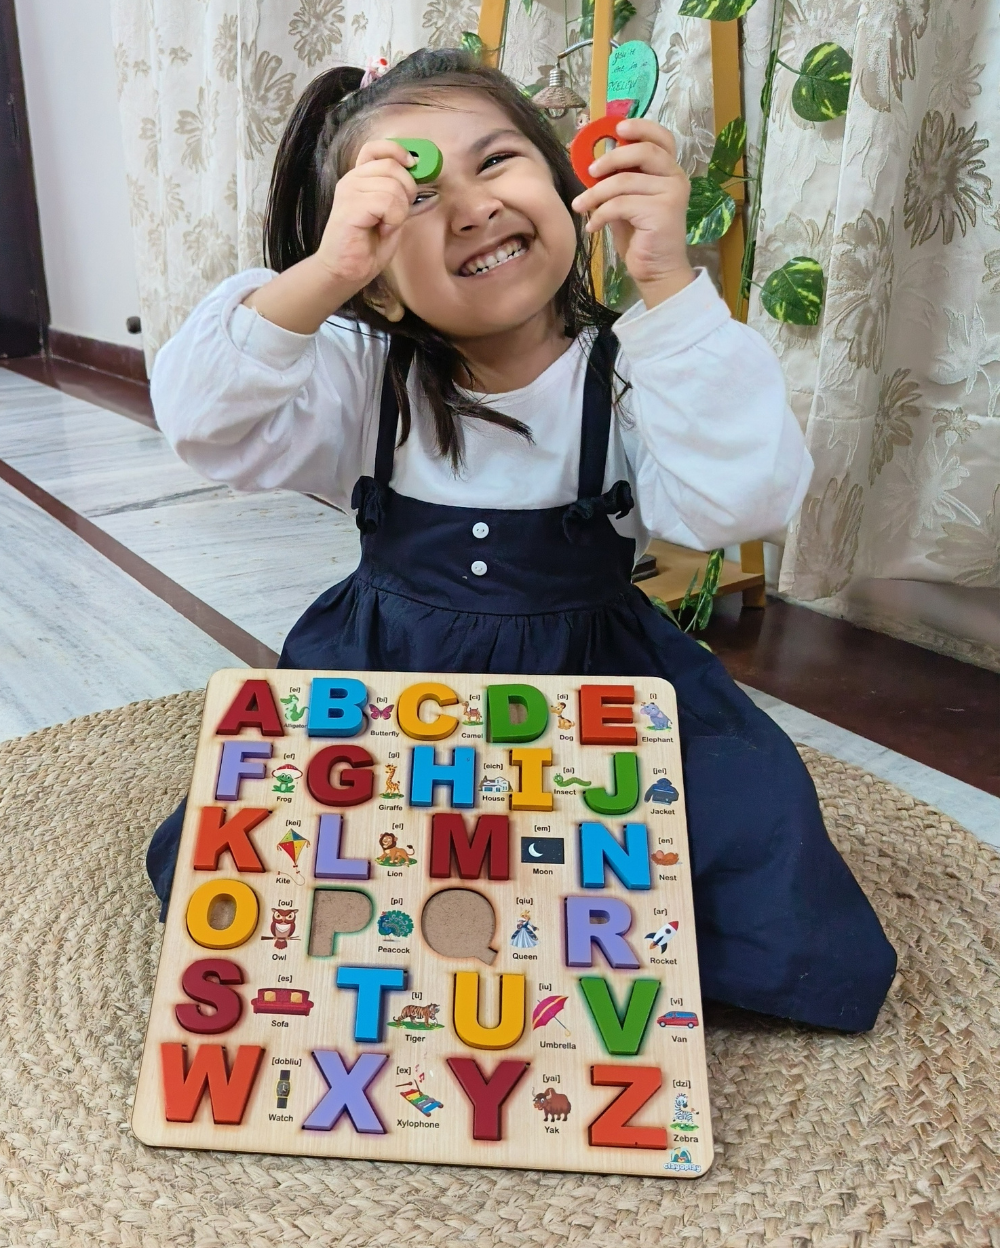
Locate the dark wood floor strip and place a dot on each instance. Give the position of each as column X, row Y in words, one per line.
column 117, row 394
column 217, row 626
column 926, row 706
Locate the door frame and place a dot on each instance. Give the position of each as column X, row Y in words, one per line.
column 25, row 331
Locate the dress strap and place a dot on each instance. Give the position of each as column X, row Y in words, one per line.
column 401, row 352
column 596, row 424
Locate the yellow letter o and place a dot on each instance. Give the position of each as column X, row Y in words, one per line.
column 244, row 922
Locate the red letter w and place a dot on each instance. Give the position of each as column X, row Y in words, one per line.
column 182, row 1092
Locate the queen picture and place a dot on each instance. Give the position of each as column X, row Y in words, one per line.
column 525, row 934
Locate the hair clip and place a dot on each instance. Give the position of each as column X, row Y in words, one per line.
column 376, row 67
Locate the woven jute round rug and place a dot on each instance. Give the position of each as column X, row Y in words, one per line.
column 887, row 1139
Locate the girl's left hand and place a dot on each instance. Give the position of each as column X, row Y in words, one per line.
column 643, row 196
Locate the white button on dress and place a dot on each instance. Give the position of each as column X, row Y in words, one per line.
column 480, row 530
column 479, row 568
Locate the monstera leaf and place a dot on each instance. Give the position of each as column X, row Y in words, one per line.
column 824, row 83
column 716, row 10
column 470, row 42
column 710, row 211
column 794, row 293
column 727, row 151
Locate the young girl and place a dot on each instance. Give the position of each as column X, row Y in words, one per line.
column 434, row 357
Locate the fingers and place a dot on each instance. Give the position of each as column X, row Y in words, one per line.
column 373, row 201
column 383, row 167
column 639, row 130
column 632, row 183
column 384, row 149
column 646, row 158
column 391, row 210
column 381, row 191
column 638, row 210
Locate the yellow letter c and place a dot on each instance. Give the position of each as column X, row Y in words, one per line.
column 408, row 711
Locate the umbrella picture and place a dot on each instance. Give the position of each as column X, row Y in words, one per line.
column 546, row 1010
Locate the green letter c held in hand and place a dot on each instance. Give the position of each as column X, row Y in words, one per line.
column 429, row 158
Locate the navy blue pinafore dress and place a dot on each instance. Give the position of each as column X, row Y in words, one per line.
column 782, row 925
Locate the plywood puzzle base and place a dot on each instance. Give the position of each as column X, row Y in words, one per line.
column 434, row 918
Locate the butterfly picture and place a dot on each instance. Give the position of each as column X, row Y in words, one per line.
column 377, row 712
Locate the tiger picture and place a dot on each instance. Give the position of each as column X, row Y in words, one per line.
column 424, row 1016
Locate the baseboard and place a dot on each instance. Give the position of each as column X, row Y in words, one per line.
column 128, row 363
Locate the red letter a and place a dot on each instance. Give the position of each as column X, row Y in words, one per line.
column 216, row 834
column 253, row 707
column 487, row 1097
column 229, row 1094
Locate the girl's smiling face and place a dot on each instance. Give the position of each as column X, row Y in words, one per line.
column 489, row 243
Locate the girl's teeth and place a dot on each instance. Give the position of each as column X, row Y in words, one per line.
column 483, row 263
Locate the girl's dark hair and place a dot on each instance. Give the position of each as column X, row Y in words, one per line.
column 317, row 148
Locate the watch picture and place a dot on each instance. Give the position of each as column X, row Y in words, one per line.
column 283, row 1088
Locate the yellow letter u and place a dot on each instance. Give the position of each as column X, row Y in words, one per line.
column 511, row 1022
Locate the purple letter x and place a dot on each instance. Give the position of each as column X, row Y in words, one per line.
column 346, row 1091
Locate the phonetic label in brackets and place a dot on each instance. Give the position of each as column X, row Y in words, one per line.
column 632, row 75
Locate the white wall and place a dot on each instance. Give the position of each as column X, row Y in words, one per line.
column 69, row 78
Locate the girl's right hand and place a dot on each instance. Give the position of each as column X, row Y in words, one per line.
column 370, row 204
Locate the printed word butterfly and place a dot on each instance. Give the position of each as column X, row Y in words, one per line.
column 381, row 713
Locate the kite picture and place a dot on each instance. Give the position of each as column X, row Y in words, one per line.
column 292, row 844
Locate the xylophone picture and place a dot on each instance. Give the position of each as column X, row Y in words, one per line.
column 433, row 918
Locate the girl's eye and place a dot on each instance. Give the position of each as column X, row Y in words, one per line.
column 421, row 197
column 494, row 160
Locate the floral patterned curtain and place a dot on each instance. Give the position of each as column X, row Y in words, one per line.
column 898, row 388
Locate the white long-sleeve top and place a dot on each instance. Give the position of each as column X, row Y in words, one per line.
column 704, row 435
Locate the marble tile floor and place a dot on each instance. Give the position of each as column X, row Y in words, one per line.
column 257, row 559
column 77, row 634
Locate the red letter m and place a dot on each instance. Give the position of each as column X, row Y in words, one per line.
column 448, row 835
column 182, row 1092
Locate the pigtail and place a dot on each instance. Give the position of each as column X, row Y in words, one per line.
column 295, row 216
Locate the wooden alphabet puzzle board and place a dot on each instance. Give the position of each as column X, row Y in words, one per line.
column 435, row 918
